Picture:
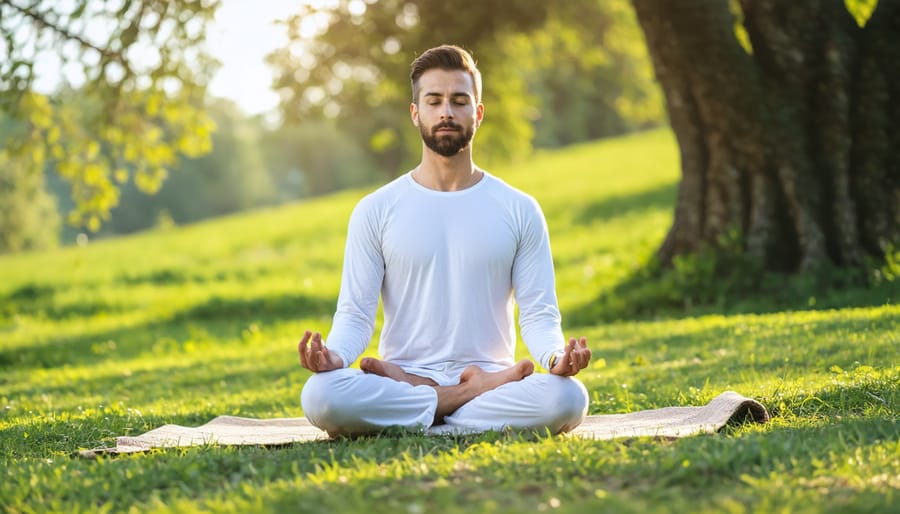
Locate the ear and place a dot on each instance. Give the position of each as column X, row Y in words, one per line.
column 479, row 114
column 414, row 113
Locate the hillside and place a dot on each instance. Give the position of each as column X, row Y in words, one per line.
column 182, row 324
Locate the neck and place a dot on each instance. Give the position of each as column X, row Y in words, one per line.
column 447, row 173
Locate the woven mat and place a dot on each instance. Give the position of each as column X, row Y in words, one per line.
column 669, row 422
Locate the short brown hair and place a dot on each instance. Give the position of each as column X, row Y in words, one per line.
column 445, row 57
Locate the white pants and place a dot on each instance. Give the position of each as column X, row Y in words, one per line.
column 347, row 401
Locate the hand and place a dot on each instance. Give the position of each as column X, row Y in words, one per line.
column 314, row 356
column 575, row 358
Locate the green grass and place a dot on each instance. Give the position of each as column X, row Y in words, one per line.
column 181, row 325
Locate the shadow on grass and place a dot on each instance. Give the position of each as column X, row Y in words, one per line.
column 37, row 299
column 43, row 300
column 652, row 293
column 217, row 318
column 307, row 476
column 613, row 207
column 690, row 367
column 206, row 378
column 92, row 412
column 750, row 344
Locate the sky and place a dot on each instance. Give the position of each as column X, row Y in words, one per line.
column 240, row 37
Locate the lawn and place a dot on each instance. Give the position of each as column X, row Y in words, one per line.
column 179, row 325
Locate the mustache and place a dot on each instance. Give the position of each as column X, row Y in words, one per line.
column 446, row 124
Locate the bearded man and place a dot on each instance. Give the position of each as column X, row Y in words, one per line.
column 449, row 248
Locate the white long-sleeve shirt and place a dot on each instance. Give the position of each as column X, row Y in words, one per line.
column 448, row 266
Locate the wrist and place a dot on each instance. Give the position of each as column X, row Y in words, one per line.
column 554, row 359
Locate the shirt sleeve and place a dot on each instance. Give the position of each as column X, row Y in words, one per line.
column 534, row 287
column 361, row 280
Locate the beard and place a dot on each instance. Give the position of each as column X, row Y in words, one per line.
column 447, row 145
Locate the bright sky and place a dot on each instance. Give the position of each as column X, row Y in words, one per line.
column 240, row 37
column 242, row 34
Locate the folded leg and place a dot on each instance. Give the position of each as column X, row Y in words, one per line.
column 350, row 402
column 537, row 402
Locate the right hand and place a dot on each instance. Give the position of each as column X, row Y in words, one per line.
column 314, row 356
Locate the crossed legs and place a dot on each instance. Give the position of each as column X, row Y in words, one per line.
column 473, row 382
column 348, row 401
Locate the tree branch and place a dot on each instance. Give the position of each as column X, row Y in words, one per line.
column 40, row 19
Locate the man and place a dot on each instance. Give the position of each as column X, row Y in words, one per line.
column 448, row 246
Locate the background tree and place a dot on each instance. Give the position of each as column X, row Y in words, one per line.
column 315, row 158
column 136, row 65
column 28, row 215
column 348, row 62
column 784, row 114
column 231, row 178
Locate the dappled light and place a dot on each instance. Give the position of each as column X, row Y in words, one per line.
column 717, row 182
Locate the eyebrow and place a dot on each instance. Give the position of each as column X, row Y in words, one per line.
column 441, row 95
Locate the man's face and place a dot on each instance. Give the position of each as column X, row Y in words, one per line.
column 446, row 111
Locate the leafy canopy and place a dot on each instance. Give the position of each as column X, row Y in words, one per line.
column 129, row 102
column 348, row 61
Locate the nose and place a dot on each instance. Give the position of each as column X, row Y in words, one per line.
column 446, row 111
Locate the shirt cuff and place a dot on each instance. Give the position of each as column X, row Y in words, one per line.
column 342, row 356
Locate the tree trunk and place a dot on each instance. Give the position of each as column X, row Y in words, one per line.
column 788, row 145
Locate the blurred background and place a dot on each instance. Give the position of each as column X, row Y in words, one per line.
column 226, row 106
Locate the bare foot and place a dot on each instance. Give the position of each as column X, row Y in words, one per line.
column 391, row 370
column 485, row 381
column 475, row 381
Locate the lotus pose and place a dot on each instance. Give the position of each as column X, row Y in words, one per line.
column 449, row 248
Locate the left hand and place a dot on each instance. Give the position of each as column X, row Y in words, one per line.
column 575, row 358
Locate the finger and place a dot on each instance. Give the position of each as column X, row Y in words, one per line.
column 313, row 350
column 583, row 358
column 575, row 357
column 567, row 352
column 582, row 352
column 325, row 357
column 322, row 361
column 317, row 351
column 315, row 343
column 588, row 355
column 302, row 349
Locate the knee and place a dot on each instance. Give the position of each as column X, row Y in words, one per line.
column 566, row 403
column 322, row 400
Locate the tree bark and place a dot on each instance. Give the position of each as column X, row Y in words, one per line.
column 787, row 145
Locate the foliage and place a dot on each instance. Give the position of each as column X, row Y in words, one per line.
column 315, row 158
column 177, row 326
column 861, row 9
column 588, row 71
column 130, row 102
column 232, row 177
column 349, row 61
column 28, row 215
column 250, row 165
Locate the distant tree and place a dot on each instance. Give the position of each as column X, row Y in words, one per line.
column 28, row 214
column 130, row 102
column 785, row 112
column 588, row 71
column 232, row 177
column 348, row 61
column 314, row 158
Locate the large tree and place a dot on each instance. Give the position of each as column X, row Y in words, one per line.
column 784, row 112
